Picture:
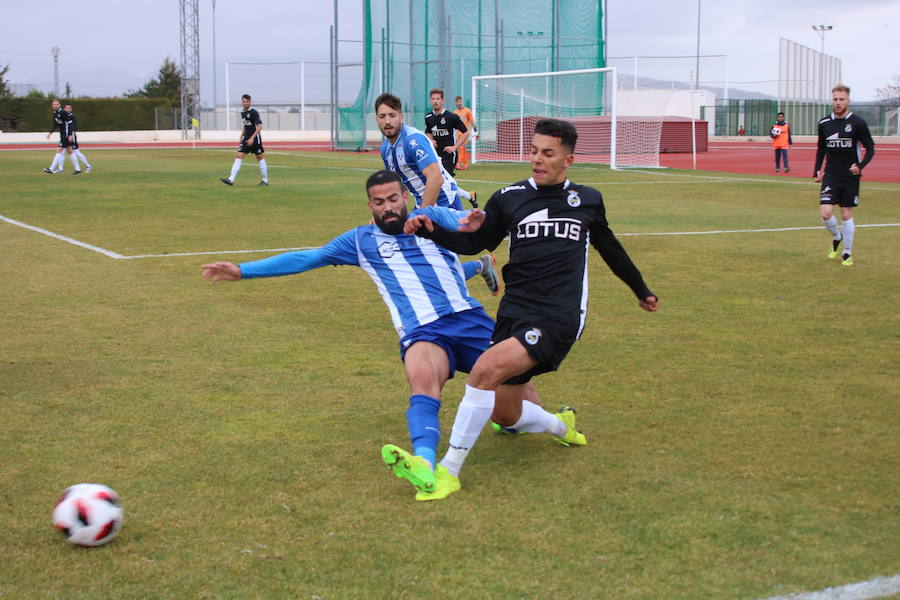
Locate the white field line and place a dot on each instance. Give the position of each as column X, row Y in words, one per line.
column 103, row 251
column 878, row 587
column 118, row 256
column 746, row 230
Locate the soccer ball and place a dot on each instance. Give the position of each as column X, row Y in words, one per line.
column 776, row 131
column 88, row 514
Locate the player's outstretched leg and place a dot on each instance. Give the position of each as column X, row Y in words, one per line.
column 414, row 469
column 572, row 437
column 489, row 272
column 445, row 484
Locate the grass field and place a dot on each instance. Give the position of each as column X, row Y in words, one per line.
column 743, row 441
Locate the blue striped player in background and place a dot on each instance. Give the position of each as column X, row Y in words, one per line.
column 442, row 328
column 408, row 152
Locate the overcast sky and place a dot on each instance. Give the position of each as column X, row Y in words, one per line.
column 110, row 46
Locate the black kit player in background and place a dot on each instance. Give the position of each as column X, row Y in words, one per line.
column 73, row 130
column 550, row 222
column 840, row 135
column 61, row 122
column 250, row 143
column 440, row 126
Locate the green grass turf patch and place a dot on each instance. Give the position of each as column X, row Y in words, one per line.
column 742, row 441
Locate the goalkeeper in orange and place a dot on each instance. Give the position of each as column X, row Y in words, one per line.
column 468, row 119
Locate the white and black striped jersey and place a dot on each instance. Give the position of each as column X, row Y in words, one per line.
column 840, row 140
column 250, row 119
column 550, row 230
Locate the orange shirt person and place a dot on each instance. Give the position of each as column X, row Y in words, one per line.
column 781, row 141
column 468, row 119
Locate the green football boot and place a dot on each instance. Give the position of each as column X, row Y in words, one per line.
column 573, row 437
column 445, row 484
column 414, row 469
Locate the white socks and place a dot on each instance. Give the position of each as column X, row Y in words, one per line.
column 83, row 159
column 75, row 162
column 463, row 193
column 535, row 419
column 264, row 170
column 58, row 162
column 234, row 169
column 472, row 415
column 832, row 227
column 848, row 228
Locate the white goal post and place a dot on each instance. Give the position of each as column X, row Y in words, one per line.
column 506, row 108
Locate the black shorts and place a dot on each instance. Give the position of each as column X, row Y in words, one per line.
column 449, row 161
column 840, row 191
column 74, row 143
column 64, row 142
column 256, row 148
column 547, row 343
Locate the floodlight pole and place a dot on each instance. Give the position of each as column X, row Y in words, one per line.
column 822, row 30
column 215, row 97
column 697, row 66
column 55, row 50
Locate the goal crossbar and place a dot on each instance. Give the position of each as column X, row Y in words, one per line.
column 611, row 85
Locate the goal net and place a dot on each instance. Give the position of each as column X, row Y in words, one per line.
column 507, row 107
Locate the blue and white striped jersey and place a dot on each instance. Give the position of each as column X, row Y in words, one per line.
column 418, row 280
column 410, row 153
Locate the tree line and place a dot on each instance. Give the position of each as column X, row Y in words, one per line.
column 166, row 86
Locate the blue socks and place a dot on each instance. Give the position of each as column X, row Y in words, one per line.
column 472, row 268
column 424, row 427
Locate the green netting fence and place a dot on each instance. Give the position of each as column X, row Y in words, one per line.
column 412, row 46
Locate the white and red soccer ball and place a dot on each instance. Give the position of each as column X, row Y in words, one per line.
column 88, row 514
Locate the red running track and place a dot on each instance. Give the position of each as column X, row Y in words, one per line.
column 759, row 158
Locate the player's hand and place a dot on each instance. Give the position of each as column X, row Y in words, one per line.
column 650, row 303
column 221, row 271
column 415, row 223
column 48, row 136
column 473, row 221
column 854, row 168
column 818, row 177
column 449, row 149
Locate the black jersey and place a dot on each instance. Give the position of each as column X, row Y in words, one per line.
column 73, row 123
column 60, row 121
column 840, row 140
column 441, row 128
column 549, row 229
column 250, row 119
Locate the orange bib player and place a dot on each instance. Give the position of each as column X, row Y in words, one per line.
column 781, row 141
column 468, row 119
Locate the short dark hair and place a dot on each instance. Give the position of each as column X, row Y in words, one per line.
column 781, row 114
column 557, row 128
column 384, row 176
column 391, row 100
column 247, row 96
column 458, row 98
column 438, row 91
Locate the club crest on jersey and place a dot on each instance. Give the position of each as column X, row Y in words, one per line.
column 387, row 249
column 848, row 128
column 573, row 199
column 540, row 225
column 533, row 335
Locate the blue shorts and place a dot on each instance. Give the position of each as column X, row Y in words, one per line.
column 464, row 336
